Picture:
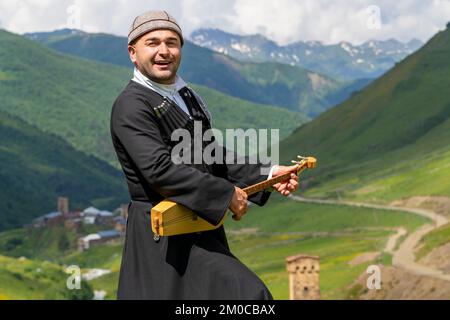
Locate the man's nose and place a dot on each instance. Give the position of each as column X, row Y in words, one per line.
column 163, row 49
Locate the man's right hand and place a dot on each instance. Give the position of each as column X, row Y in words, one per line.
column 238, row 204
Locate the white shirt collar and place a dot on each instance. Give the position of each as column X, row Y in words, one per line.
column 163, row 89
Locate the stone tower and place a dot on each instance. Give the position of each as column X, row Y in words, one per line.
column 63, row 205
column 303, row 277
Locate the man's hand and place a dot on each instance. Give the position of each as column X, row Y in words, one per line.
column 290, row 184
column 238, row 204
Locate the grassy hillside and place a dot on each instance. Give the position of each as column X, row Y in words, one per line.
column 230, row 112
column 38, row 167
column 432, row 240
column 392, row 139
column 72, row 97
column 49, row 243
column 61, row 95
column 288, row 216
column 277, row 84
column 280, row 229
column 24, row 279
column 337, row 234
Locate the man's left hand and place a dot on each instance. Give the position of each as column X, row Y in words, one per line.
column 289, row 185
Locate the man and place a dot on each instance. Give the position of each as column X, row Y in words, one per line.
column 154, row 104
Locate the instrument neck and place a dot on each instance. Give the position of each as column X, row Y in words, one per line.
column 269, row 183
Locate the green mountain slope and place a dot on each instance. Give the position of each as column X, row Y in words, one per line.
column 38, row 167
column 72, row 97
column 392, row 139
column 277, row 84
column 62, row 95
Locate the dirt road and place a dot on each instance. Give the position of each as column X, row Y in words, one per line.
column 403, row 257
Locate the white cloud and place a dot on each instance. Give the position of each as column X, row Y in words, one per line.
column 283, row 21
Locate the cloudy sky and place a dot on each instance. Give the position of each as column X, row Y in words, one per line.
column 284, row 21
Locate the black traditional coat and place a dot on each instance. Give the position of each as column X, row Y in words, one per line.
column 191, row 266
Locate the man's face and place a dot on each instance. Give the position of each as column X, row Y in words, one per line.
column 157, row 55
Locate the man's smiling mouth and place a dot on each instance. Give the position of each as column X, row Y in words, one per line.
column 163, row 63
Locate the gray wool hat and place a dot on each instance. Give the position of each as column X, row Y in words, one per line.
column 153, row 20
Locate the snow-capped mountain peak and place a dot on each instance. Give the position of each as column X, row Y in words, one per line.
column 367, row 60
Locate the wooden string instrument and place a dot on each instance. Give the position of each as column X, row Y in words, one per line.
column 169, row 218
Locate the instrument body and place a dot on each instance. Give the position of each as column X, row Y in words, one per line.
column 170, row 218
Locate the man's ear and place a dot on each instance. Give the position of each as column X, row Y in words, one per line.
column 132, row 53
